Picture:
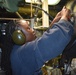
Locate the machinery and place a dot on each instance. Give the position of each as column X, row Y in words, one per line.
column 65, row 59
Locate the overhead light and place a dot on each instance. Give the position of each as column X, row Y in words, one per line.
column 29, row 1
column 53, row 2
column 50, row 2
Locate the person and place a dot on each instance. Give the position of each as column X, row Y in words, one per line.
column 27, row 59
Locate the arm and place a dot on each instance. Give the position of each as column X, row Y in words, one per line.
column 52, row 43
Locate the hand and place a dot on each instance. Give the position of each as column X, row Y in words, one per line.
column 65, row 13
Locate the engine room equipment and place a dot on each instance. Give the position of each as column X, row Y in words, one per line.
column 10, row 5
column 72, row 6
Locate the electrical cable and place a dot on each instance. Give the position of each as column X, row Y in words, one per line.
column 51, row 18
